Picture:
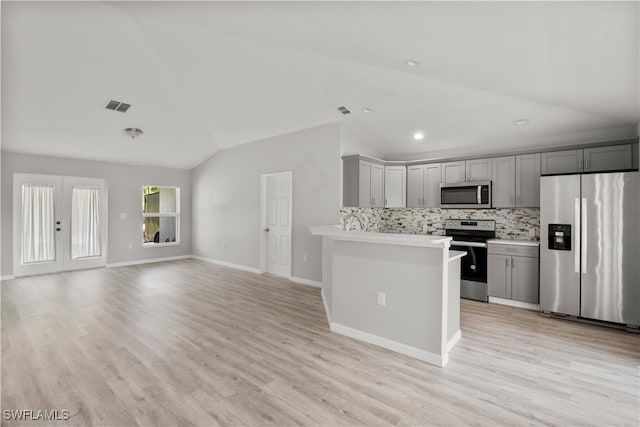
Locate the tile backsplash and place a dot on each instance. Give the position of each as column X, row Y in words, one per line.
column 511, row 223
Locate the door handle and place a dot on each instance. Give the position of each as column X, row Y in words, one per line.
column 576, row 247
column 583, row 228
column 479, row 194
column 266, row 230
column 58, row 229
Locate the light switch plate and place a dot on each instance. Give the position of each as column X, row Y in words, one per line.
column 123, row 216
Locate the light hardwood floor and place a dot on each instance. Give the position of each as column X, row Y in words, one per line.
column 189, row 343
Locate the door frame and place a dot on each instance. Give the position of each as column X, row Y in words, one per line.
column 63, row 259
column 263, row 219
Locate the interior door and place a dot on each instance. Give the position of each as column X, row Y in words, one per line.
column 278, row 224
column 37, row 224
column 59, row 223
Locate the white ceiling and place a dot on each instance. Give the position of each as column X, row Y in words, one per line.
column 204, row 76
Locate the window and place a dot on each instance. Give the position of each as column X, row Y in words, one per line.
column 161, row 215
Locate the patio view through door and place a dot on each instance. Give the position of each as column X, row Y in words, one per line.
column 59, row 223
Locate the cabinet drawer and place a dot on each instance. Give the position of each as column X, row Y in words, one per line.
column 517, row 250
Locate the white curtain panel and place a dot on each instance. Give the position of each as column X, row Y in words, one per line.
column 86, row 241
column 38, row 224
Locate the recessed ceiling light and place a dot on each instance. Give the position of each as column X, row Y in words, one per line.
column 367, row 110
column 521, row 122
column 412, row 62
column 418, row 136
column 133, row 133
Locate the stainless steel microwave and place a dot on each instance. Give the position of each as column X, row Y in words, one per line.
column 466, row 195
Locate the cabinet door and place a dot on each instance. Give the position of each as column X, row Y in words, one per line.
column 365, row 199
column 377, row 186
column 453, row 172
column 478, row 170
column 395, row 182
column 432, row 176
column 528, row 180
column 524, row 276
column 557, row 162
column 414, row 186
column 613, row 158
column 504, row 182
column 499, row 275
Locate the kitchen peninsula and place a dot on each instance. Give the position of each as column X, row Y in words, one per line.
column 397, row 291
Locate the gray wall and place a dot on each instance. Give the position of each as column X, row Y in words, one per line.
column 226, row 197
column 125, row 192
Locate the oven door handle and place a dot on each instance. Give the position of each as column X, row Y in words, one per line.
column 469, row 244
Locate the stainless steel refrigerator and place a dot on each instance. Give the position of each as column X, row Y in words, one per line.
column 590, row 246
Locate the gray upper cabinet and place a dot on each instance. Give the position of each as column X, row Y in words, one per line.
column 362, row 183
column 558, row 162
column 615, row 157
column 528, row 180
column 395, row 186
column 415, row 190
column 598, row 159
column 504, row 182
column 478, row 169
column 423, row 186
column 432, row 176
column 377, row 186
column 453, row 172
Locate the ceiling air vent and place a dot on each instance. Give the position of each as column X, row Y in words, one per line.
column 117, row 106
column 344, row 110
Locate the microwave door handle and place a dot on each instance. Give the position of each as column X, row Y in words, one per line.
column 479, row 194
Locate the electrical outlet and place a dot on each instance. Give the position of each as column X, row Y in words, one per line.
column 123, row 215
column 382, row 298
column 130, row 245
column 305, row 258
column 532, row 232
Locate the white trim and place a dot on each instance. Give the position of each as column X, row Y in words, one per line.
column 263, row 220
column 454, row 340
column 326, row 307
column 228, row 264
column 407, row 350
column 515, row 303
column 307, row 282
column 7, row 277
column 147, row 261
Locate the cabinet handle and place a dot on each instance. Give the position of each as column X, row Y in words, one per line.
column 385, row 202
column 579, row 165
column 374, row 200
column 513, row 262
column 586, row 164
column 506, row 262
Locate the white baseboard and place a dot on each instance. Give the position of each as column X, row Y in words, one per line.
column 514, row 303
column 146, row 261
column 454, row 340
column 7, row 277
column 326, row 307
column 407, row 350
column 307, row 282
column 227, row 264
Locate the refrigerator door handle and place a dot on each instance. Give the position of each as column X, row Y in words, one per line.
column 576, row 237
column 583, row 237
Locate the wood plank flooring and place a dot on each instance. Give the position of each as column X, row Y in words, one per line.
column 189, row 343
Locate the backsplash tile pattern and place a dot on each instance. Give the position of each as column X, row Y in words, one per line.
column 511, row 223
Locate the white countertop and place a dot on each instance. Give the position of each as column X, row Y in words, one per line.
column 422, row 240
column 515, row 242
column 456, row 254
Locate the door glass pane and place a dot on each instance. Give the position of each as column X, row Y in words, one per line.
column 159, row 200
column 159, row 229
column 86, row 241
column 38, row 224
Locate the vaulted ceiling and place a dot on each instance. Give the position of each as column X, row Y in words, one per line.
column 205, row 76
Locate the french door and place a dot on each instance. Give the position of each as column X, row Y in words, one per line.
column 59, row 223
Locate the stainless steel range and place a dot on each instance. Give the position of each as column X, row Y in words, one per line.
column 471, row 235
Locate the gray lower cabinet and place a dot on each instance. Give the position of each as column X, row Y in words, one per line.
column 513, row 272
column 599, row 159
